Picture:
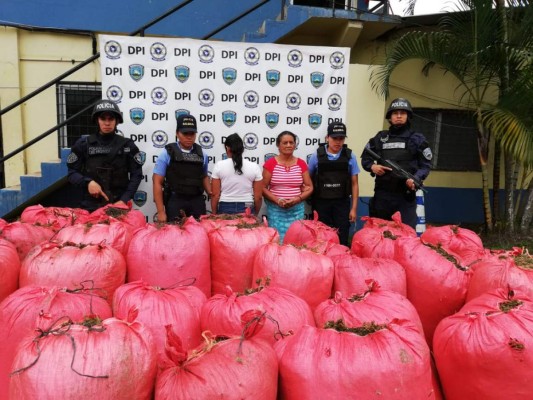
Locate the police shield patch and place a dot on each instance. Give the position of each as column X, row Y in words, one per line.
column 229, row 118
column 273, row 77
column 140, row 157
column 229, row 75
column 317, row 79
column 72, row 158
column 272, row 119
column 139, row 198
column 136, row 72
column 182, row 73
column 137, row 115
column 315, row 120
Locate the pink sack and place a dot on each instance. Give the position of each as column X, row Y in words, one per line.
column 373, row 304
column 306, row 230
column 229, row 368
column 69, row 264
column 26, row 236
column 112, row 359
column 164, row 254
column 483, row 351
column 437, row 281
column 215, row 221
column 502, row 271
column 307, row 274
column 34, row 307
column 285, row 312
column 377, row 237
column 459, row 240
column 389, row 361
column 353, row 272
column 133, row 219
column 179, row 306
column 233, row 249
column 9, row 268
column 55, row 216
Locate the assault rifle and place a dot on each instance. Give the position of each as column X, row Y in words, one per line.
column 395, row 168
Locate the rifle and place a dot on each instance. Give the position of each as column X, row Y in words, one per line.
column 395, row 168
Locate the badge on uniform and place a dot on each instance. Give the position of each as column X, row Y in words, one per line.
column 140, row 157
column 72, row 158
column 427, row 153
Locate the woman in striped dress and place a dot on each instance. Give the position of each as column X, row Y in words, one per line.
column 287, row 184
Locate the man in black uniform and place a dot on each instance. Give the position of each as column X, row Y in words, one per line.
column 182, row 169
column 107, row 166
column 410, row 150
column 335, row 181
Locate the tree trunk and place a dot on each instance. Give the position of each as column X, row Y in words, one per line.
column 510, row 187
column 496, row 171
column 525, row 223
column 483, row 149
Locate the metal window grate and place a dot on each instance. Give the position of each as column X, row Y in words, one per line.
column 452, row 135
column 72, row 97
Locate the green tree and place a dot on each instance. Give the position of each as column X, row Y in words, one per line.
column 485, row 52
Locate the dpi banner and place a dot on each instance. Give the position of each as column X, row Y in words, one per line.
column 255, row 90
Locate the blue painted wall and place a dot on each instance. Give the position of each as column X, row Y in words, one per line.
column 195, row 20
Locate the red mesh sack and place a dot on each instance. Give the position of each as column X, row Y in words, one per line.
column 133, row 219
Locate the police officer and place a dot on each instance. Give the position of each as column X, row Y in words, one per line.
column 107, row 166
column 410, row 150
column 336, row 183
column 182, row 169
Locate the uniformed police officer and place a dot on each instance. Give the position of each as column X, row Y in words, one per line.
column 106, row 165
column 182, row 169
column 410, row 150
column 336, row 182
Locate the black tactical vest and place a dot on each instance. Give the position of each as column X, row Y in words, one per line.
column 185, row 172
column 395, row 148
column 332, row 179
column 107, row 164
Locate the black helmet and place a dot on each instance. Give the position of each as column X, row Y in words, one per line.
column 399, row 104
column 106, row 106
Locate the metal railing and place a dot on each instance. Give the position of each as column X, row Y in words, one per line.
column 94, row 57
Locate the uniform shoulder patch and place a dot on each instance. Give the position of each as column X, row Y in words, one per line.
column 72, row 158
column 140, row 157
column 427, row 154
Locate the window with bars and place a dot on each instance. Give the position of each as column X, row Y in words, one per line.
column 452, row 135
column 72, row 97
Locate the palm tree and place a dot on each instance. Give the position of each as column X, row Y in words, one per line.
column 470, row 45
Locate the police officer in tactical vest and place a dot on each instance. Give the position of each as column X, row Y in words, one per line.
column 335, row 180
column 106, row 165
column 180, row 175
column 410, row 150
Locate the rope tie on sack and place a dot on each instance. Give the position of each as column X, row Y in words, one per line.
column 59, row 328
